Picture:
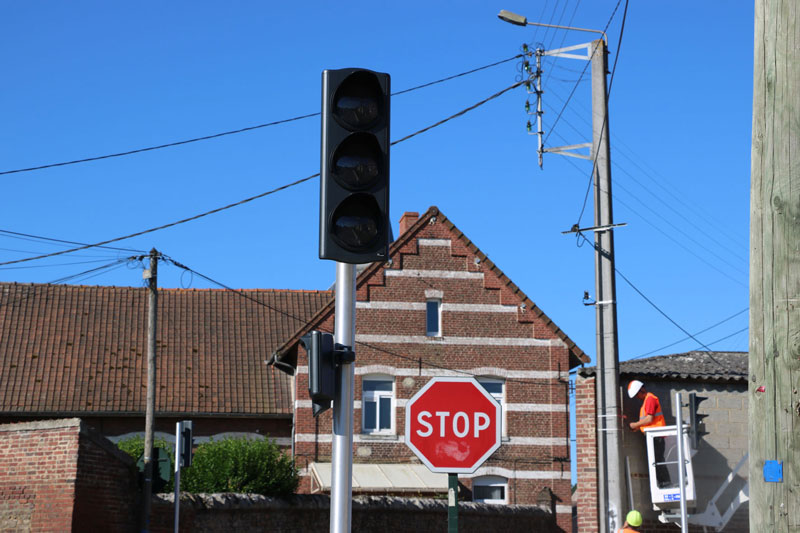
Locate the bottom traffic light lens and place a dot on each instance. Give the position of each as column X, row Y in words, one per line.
column 357, row 222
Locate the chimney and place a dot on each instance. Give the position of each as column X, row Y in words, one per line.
column 408, row 219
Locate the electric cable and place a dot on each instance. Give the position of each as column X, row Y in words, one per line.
column 724, row 320
column 543, row 382
column 583, row 72
column 236, row 131
column 680, row 244
column 657, row 308
column 261, row 195
column 608, row 97
column 28, row 236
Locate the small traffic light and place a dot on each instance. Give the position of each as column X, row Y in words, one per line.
column 187, row 444
column 354, row 166
column 695, row 419
column 321, row 369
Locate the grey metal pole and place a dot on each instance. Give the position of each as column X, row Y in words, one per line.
column 178, row 448
column 606, row 305
column 152, row 276
column 342, row 453
column 681, row 459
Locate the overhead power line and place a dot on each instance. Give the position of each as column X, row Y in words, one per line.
column 724, row 320
column 418, row 360
column 240, row 130
column 263, row 194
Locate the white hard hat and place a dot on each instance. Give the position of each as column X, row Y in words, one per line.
column 633, row 388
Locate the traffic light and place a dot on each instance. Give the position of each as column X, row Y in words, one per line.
column 187, row 444
column 321, row 370
column 354, row 166
column 695, row 419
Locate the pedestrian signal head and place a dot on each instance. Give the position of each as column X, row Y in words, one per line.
column 634, row 387
column 634, row 518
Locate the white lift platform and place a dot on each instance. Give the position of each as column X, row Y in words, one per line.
column 662, row 465
column 665, row 487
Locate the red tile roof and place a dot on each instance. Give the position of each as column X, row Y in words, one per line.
column 81, row 349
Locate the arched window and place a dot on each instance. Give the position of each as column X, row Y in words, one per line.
column 490, row 489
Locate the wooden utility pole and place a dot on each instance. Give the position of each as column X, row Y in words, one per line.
column 774, row 387
column 151, row 275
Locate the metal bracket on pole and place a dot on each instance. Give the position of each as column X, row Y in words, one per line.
column 561, row 52
column 576, row 229
column 567, row 150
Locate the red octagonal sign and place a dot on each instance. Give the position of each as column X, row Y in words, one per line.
column 453, row 425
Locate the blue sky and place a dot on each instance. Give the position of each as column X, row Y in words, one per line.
column 84, row 79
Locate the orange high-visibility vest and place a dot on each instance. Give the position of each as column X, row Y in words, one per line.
column 658, row 417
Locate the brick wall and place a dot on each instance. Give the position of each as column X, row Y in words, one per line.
column 586, row 459
column 211, row 513
column 59, row 475
column 488, row 329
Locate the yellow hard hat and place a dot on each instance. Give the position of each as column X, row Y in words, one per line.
column 634, row 518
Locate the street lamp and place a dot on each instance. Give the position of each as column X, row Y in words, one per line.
column 519, row 20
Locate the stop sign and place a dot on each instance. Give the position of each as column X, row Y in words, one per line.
column 453, row 425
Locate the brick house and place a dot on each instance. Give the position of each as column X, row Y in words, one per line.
column 441, row 307
column 81, row 351
column 721, row 377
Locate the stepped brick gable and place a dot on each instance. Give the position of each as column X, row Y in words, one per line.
column 487, row 327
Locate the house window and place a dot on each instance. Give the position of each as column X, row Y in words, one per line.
column 377, row 404
column 490, row 489
column 496, row 388
column 433, row 310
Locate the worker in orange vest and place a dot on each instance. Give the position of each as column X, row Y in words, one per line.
column 634, row 519
column 650, row 416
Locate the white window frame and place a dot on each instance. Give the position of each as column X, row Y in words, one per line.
column 499, row 398
column 375, row 396
column 438, row 302
column 490, row 481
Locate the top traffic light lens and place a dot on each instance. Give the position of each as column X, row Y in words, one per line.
column 357, row 102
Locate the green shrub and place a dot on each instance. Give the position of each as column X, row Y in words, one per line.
column 241, row 465
column 134, row 446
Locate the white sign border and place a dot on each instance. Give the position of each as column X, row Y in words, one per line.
column 482, row 459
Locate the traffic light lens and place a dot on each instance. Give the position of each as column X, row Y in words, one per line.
column 357, row 161
column 357, row 101
column 356, row 222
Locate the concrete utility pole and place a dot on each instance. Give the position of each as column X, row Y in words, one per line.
column 609, row 462
column 151, row 275
column 774, row 387
column 344, row 333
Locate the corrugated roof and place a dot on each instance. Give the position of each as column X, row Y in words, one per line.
column 81, row 349
column 695, row 365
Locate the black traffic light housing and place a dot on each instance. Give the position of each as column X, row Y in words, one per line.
column 187, row 444
column 354, row 166
column 695, row 419
column 323, row 358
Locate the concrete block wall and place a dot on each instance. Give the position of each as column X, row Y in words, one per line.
column 718, row 452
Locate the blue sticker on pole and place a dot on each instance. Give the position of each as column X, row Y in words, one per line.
column 773, row 471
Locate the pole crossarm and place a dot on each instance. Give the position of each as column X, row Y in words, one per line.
column 568, row 150
column 562, row 52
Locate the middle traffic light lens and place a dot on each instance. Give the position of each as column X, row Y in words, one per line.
column 357, row 222
column 357, row 162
